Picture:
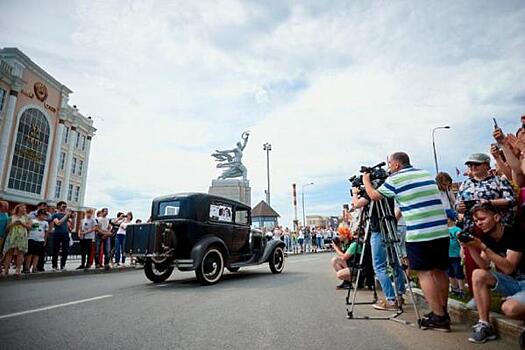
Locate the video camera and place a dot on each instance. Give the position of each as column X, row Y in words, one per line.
column 378, row 175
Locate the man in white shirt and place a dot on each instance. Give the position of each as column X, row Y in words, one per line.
column 103, row 238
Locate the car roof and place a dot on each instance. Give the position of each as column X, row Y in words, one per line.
column 197, row 196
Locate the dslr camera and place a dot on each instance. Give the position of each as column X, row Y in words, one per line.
column 464, row 237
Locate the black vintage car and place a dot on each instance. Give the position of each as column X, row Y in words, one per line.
column 201, row 232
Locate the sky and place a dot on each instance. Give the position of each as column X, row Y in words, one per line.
column 332, row 85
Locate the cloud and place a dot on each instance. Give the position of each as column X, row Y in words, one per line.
column 333, row 85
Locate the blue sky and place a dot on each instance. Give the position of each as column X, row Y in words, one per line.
column 333, row 85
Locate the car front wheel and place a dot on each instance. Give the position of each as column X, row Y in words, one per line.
column 277, row 260
column 211, row 267
column 157, row 272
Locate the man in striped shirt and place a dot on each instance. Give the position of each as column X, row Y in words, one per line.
column 427, row 237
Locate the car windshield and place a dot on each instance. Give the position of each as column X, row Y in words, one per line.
column 170, row 208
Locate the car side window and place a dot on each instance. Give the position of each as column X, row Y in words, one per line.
column 221, row 212
column 241, row 216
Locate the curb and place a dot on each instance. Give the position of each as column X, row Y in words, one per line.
column 68, row 273
column 507, row 329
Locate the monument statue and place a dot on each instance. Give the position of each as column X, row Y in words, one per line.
column 230, row 160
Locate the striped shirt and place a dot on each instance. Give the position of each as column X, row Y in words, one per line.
column 420, row 203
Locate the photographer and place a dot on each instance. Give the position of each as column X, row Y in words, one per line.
column 341, row 263
column 502, row 246
column 427, row 238
column 360, row 199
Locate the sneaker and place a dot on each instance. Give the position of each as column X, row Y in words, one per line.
column 55, row 269
column 344, row 285
column 385, row 305
column 438, row 323
column 482, row 332
column 81, row 267
column 431, row 313
column 106, row 267
column 98, row 266
column 400, row 300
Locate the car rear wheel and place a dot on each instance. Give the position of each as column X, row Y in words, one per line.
column 211, row 267
column 158, row 271
column 277, row 260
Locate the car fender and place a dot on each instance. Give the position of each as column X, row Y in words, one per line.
column 198, row 249
column 270, row 246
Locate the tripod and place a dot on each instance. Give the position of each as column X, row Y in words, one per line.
column 387, row 225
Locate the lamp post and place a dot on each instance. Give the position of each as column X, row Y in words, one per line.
column 434, row 144
column 302, row 200
column 267, row 147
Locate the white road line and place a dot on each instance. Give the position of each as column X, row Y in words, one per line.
column 54, row 306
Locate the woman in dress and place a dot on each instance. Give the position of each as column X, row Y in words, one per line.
column 16, row 240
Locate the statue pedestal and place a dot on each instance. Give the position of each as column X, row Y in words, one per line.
column 235, row 189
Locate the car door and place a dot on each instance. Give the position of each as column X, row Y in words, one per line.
column 241, row 230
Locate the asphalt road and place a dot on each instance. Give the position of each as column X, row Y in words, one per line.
column 251, row 309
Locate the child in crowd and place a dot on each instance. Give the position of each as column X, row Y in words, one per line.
column 37, row 239
column 455, row 270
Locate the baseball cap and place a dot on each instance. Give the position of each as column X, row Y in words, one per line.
column 478, row 158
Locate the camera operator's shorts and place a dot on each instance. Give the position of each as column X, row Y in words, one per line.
column 428, row 255
column 509, row 286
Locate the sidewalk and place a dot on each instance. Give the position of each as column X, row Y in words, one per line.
column 507, row 328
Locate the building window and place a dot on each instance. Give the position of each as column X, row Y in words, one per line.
column 29, row 157
column 66, row 135
column 74, row 166
column 58, row 189
column 77, row 193
column 77, row 140
column 2, row 99
column 70, row 192
column 62, row 160
column 80, row 166
column 83, row 142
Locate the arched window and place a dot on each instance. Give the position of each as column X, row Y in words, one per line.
column 29, row 158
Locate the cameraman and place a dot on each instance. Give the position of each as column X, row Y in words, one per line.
column 360, row 199
column 502, row 246
column 427, row 236
column 341, row 263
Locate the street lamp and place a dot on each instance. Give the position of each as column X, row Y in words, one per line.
column 302, row 200
column 434, row 144
column 267, row 147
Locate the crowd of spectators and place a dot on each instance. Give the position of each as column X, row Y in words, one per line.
column 307, row 239
column 24, row 237
column 485, row 220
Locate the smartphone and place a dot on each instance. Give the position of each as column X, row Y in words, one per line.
column 345, row 206
column 495, row 123
column 495, row 145
column 470, row 204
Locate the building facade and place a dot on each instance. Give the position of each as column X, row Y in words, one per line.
column 44, row 142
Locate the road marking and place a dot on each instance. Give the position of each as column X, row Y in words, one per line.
column 54, row 306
